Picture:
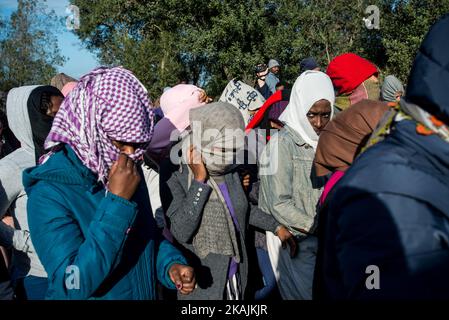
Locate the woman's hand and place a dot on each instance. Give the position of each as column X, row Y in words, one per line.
column 124, row 177
column 286, row 237
column 183, row 277
column 196, row 164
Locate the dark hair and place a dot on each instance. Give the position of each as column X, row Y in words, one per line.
column 8, row 141
column 38, row 104
column 260, row 68
column 46, row 100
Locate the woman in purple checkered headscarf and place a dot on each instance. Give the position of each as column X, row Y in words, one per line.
column 89, row 213
column 108, row 104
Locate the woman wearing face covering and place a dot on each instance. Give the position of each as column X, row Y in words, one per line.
column 29, row 111
column 344, row 138
column 290, row 189
column 354, row 80
column 206, row 206
column 89, row 215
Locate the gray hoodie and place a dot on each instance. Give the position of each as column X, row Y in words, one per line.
column 12, row 195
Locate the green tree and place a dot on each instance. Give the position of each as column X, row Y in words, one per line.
column 321, row 29
column 28, row 46
column 139, row 36
column 404, row 28
column 209, row 42
column 229, row 38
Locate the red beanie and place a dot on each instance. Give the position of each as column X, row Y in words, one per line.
column 348, row 71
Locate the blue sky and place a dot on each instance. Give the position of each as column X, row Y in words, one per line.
column 79, row 60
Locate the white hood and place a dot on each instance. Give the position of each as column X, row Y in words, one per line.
column 18, row 118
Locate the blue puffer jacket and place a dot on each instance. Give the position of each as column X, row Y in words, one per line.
column 93, row 244
column 391, row 210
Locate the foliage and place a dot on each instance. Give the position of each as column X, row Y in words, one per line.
column 28, row 47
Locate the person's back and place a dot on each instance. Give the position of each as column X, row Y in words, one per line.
column 388, row 227
column 388, row 213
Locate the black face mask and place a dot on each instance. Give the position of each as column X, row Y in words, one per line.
column 40, row 122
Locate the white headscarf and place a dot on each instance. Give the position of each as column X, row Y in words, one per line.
column 310, row 87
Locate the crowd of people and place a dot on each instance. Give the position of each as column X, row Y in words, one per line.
column 336, row 188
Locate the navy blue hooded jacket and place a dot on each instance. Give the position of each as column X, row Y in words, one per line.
column 387, row 230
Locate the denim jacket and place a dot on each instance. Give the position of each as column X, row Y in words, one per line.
column 290, row 190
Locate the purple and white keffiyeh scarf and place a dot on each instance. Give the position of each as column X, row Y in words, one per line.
column 107, row 104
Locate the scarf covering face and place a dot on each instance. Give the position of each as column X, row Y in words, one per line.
column 310, row 87
column 40, row 122
column 221, row 136
column 243, row 97
column 178, row 101
column 367, row 90
column 390, row 88
column 344, row 136
column 107, row 104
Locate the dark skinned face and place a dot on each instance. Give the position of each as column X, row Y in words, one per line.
column 319, row 115
column 56, row 102
column 275, row 70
